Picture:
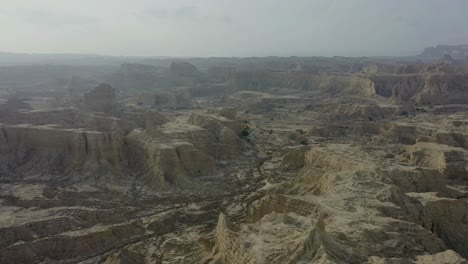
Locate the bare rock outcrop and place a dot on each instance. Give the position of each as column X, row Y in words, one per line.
column 103, row 98
column 227, row 144
column 68, row 155
column 425, row 88
column 446, row 218
column 294, row 159
column 261, row 81
column 450, row 162
column 164, row 164
column 228, row 112
column 446, row 257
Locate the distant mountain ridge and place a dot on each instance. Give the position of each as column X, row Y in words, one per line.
column 457, row 52
column 21, row 59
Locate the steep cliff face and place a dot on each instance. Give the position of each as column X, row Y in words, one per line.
column 446, row 218
column 448, row 161
column 175, row 153
column 162, row 164
column 420, row 88
column 423, row 88
column 259, row 81
column 60, row 154
column 226, row 145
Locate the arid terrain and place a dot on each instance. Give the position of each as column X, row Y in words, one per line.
column 236, row 160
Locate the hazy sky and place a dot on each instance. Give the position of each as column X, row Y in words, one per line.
column 231, row 27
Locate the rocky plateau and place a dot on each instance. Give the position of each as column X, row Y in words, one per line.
column 226, row 161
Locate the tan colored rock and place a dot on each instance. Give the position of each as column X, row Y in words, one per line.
column 49, row 152
column 446, row 257
column 261, row 81
column 228, row 112
column 448, row 161
column 445, row 217
column 294, row 159
column 165, row 164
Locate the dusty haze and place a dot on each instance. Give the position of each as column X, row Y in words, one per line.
column 231, row 28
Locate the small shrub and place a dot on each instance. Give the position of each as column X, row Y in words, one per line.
column 300, row 131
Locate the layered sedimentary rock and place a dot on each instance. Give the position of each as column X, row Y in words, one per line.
column 101, row 99
column 291, row 160
column 260, row 81
column 226, row 145
column 162, row 164
column 450, row 162
column 60, row 154
column 423, row 88
column 175, row 153
column 446, row 218
column 257, row 244
column 420, row 88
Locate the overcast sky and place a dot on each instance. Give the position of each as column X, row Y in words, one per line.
column 231, row 27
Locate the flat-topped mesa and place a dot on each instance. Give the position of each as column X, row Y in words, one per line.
column 227, row 144
column 332, row 84
column 62, row 155
column 163, row 163
column 103, row 99
column 440, row 85
column 175, row 154
column 183, row 74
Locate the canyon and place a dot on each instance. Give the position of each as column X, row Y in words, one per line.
column 231, row 160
